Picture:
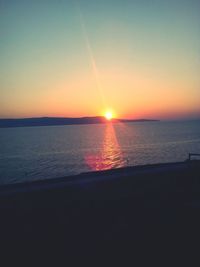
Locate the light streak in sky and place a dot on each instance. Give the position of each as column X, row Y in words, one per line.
column 91, row 56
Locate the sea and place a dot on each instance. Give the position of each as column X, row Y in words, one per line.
column 44, row 152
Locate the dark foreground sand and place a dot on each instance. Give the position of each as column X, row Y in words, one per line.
column 134, row 216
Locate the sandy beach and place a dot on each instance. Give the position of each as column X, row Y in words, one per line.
column 118, row 216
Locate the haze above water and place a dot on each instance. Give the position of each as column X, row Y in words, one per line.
column 34, row 153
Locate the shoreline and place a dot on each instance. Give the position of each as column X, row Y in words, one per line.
column 146, row 171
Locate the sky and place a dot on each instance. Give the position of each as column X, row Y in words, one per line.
column 139, row 58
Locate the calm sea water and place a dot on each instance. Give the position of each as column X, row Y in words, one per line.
column 33, row 153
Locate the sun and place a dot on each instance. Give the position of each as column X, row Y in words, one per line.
column 108, row 115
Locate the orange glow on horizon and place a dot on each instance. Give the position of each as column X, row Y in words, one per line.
column 101, row 58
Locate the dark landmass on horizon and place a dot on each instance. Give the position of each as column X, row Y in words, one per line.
column 50, row 121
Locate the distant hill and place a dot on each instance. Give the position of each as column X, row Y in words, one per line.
column 49, row 121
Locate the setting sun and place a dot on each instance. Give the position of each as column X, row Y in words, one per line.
column 108, row 115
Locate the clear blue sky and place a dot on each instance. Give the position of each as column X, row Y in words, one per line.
column 76, row 58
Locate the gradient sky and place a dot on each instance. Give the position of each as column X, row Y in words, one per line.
column 79, row 58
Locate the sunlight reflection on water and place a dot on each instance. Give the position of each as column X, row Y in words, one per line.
column 34, row 153
column 110, row 156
